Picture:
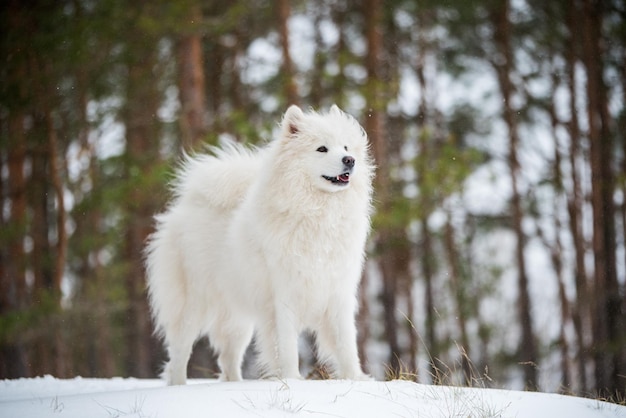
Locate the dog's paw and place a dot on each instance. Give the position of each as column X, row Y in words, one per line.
column 279, row 377
column 360, row 376
column 223, row 377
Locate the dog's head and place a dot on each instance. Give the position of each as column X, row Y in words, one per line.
column 330, row 149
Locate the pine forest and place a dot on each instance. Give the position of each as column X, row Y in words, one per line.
column 497, row 256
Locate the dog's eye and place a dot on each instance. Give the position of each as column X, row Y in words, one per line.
column 322, row 149
column 345, row 147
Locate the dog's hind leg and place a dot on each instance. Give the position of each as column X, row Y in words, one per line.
column 179, row 346
column 231, row 346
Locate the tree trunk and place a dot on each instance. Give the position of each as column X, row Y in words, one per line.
column 14, row 280
column 214, row 79
column 56, row 172
column 339, row 82
column 375, row 127
column 317, row 93
column 412, row 329
column 41, row 293
column 502, row 33
column 141, row 153
column 426, row 254
column 608, row 318
column 460, row 298
column 16, row 262
column 39, row 202
column 191, row 83
column 556, row 250
column 291, row 92
column 581, row 313
column 427, row 258
column 61, row 365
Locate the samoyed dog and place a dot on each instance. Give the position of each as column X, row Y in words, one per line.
column 267, row 242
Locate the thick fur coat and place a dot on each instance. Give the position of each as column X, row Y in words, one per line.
column 268, row 241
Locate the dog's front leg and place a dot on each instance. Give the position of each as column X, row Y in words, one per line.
column 287, row 343
column 278, row 346
column 336, row 341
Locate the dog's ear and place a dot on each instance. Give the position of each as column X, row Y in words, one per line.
column 292, row 119
column 335, row 109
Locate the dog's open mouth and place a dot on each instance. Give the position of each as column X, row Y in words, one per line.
column 341, row 179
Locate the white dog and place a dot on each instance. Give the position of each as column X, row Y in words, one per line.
column 268, row 240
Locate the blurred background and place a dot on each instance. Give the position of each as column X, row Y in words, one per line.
column 497, row 256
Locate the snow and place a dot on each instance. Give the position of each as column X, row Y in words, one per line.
column 85, row 397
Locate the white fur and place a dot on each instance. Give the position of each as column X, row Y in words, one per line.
column 258, row 240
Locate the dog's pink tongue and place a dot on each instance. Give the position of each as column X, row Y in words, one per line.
column 345, row 177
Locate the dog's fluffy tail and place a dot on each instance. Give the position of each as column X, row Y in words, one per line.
column 219, row 179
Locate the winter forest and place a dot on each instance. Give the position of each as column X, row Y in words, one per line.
column 497, row 255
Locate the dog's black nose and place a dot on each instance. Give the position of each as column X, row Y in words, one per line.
column 348, row 161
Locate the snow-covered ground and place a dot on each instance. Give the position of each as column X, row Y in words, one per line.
column 81, row 397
